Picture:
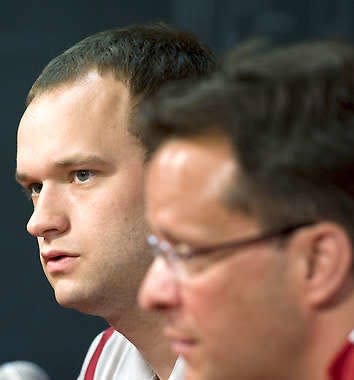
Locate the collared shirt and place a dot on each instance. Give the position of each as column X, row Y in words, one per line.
column 342, row 367
column 119, row 359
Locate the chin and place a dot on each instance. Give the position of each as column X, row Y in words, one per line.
column 67, row 301
column 78, row 305
column 190, row 374
column 80, row 301
column 69, row 296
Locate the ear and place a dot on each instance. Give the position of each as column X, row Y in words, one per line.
column 326, row 254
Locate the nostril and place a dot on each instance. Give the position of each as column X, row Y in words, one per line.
column 160, row 306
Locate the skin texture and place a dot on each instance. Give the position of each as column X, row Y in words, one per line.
column 226, row 318
column 84, row 172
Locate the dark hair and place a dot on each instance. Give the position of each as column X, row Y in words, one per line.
column 142, row 56
column 289, row 113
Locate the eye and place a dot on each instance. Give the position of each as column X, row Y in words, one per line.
column 81, row 176
column 34, row 189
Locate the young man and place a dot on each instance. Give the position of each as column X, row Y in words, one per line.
column 83, row 168
column 250, row 198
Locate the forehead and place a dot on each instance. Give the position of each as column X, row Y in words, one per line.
column 205, row 159
column 88, row 116
column 89, row 98
column 188, row 179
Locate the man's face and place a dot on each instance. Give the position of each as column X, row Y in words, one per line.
column 226, row 315
column 84, row 172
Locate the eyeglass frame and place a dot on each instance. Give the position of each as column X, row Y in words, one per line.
column 185, row 252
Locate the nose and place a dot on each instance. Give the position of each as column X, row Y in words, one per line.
column 48, row 218
column 160, row 290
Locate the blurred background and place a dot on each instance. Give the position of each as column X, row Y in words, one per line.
column 33, row 327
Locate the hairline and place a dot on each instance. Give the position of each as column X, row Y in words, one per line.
column 36, row 91
column 134, row 100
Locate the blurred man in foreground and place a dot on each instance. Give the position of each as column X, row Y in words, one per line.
column 250, row 197
column 83, row 167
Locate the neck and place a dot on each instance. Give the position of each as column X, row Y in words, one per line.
column 144, row 330
column 328, row 337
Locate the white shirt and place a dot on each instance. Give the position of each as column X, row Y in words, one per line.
column 120, row 360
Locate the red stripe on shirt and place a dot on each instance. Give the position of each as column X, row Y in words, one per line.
column 91, row 368
column 343, row 365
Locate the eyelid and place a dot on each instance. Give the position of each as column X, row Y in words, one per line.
column 28, row 190
column 180, row 247
column 74, row 173
column 183, row 250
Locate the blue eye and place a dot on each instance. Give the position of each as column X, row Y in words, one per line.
column 82, row 175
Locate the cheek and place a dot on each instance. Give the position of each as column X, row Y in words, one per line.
column 233, row 293
column 209, row 306
column 119, row 207
column 127, row 193
column 114, row 203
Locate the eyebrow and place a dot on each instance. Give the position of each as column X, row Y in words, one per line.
column 75, row 160
column 79, row 160
column 169, row 236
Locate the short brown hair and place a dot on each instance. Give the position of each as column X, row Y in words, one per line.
column 141, row 56
column 289, row 113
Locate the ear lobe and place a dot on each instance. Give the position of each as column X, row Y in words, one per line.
column 328, row 263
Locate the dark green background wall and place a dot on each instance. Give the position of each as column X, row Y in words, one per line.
column 33, row 327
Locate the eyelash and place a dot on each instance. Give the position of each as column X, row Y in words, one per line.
column 29, row 190
column 76, row 172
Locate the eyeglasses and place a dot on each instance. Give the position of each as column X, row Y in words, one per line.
column 182, row 252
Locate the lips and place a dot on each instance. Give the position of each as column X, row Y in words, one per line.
column 59, row 261
column 181, row 343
